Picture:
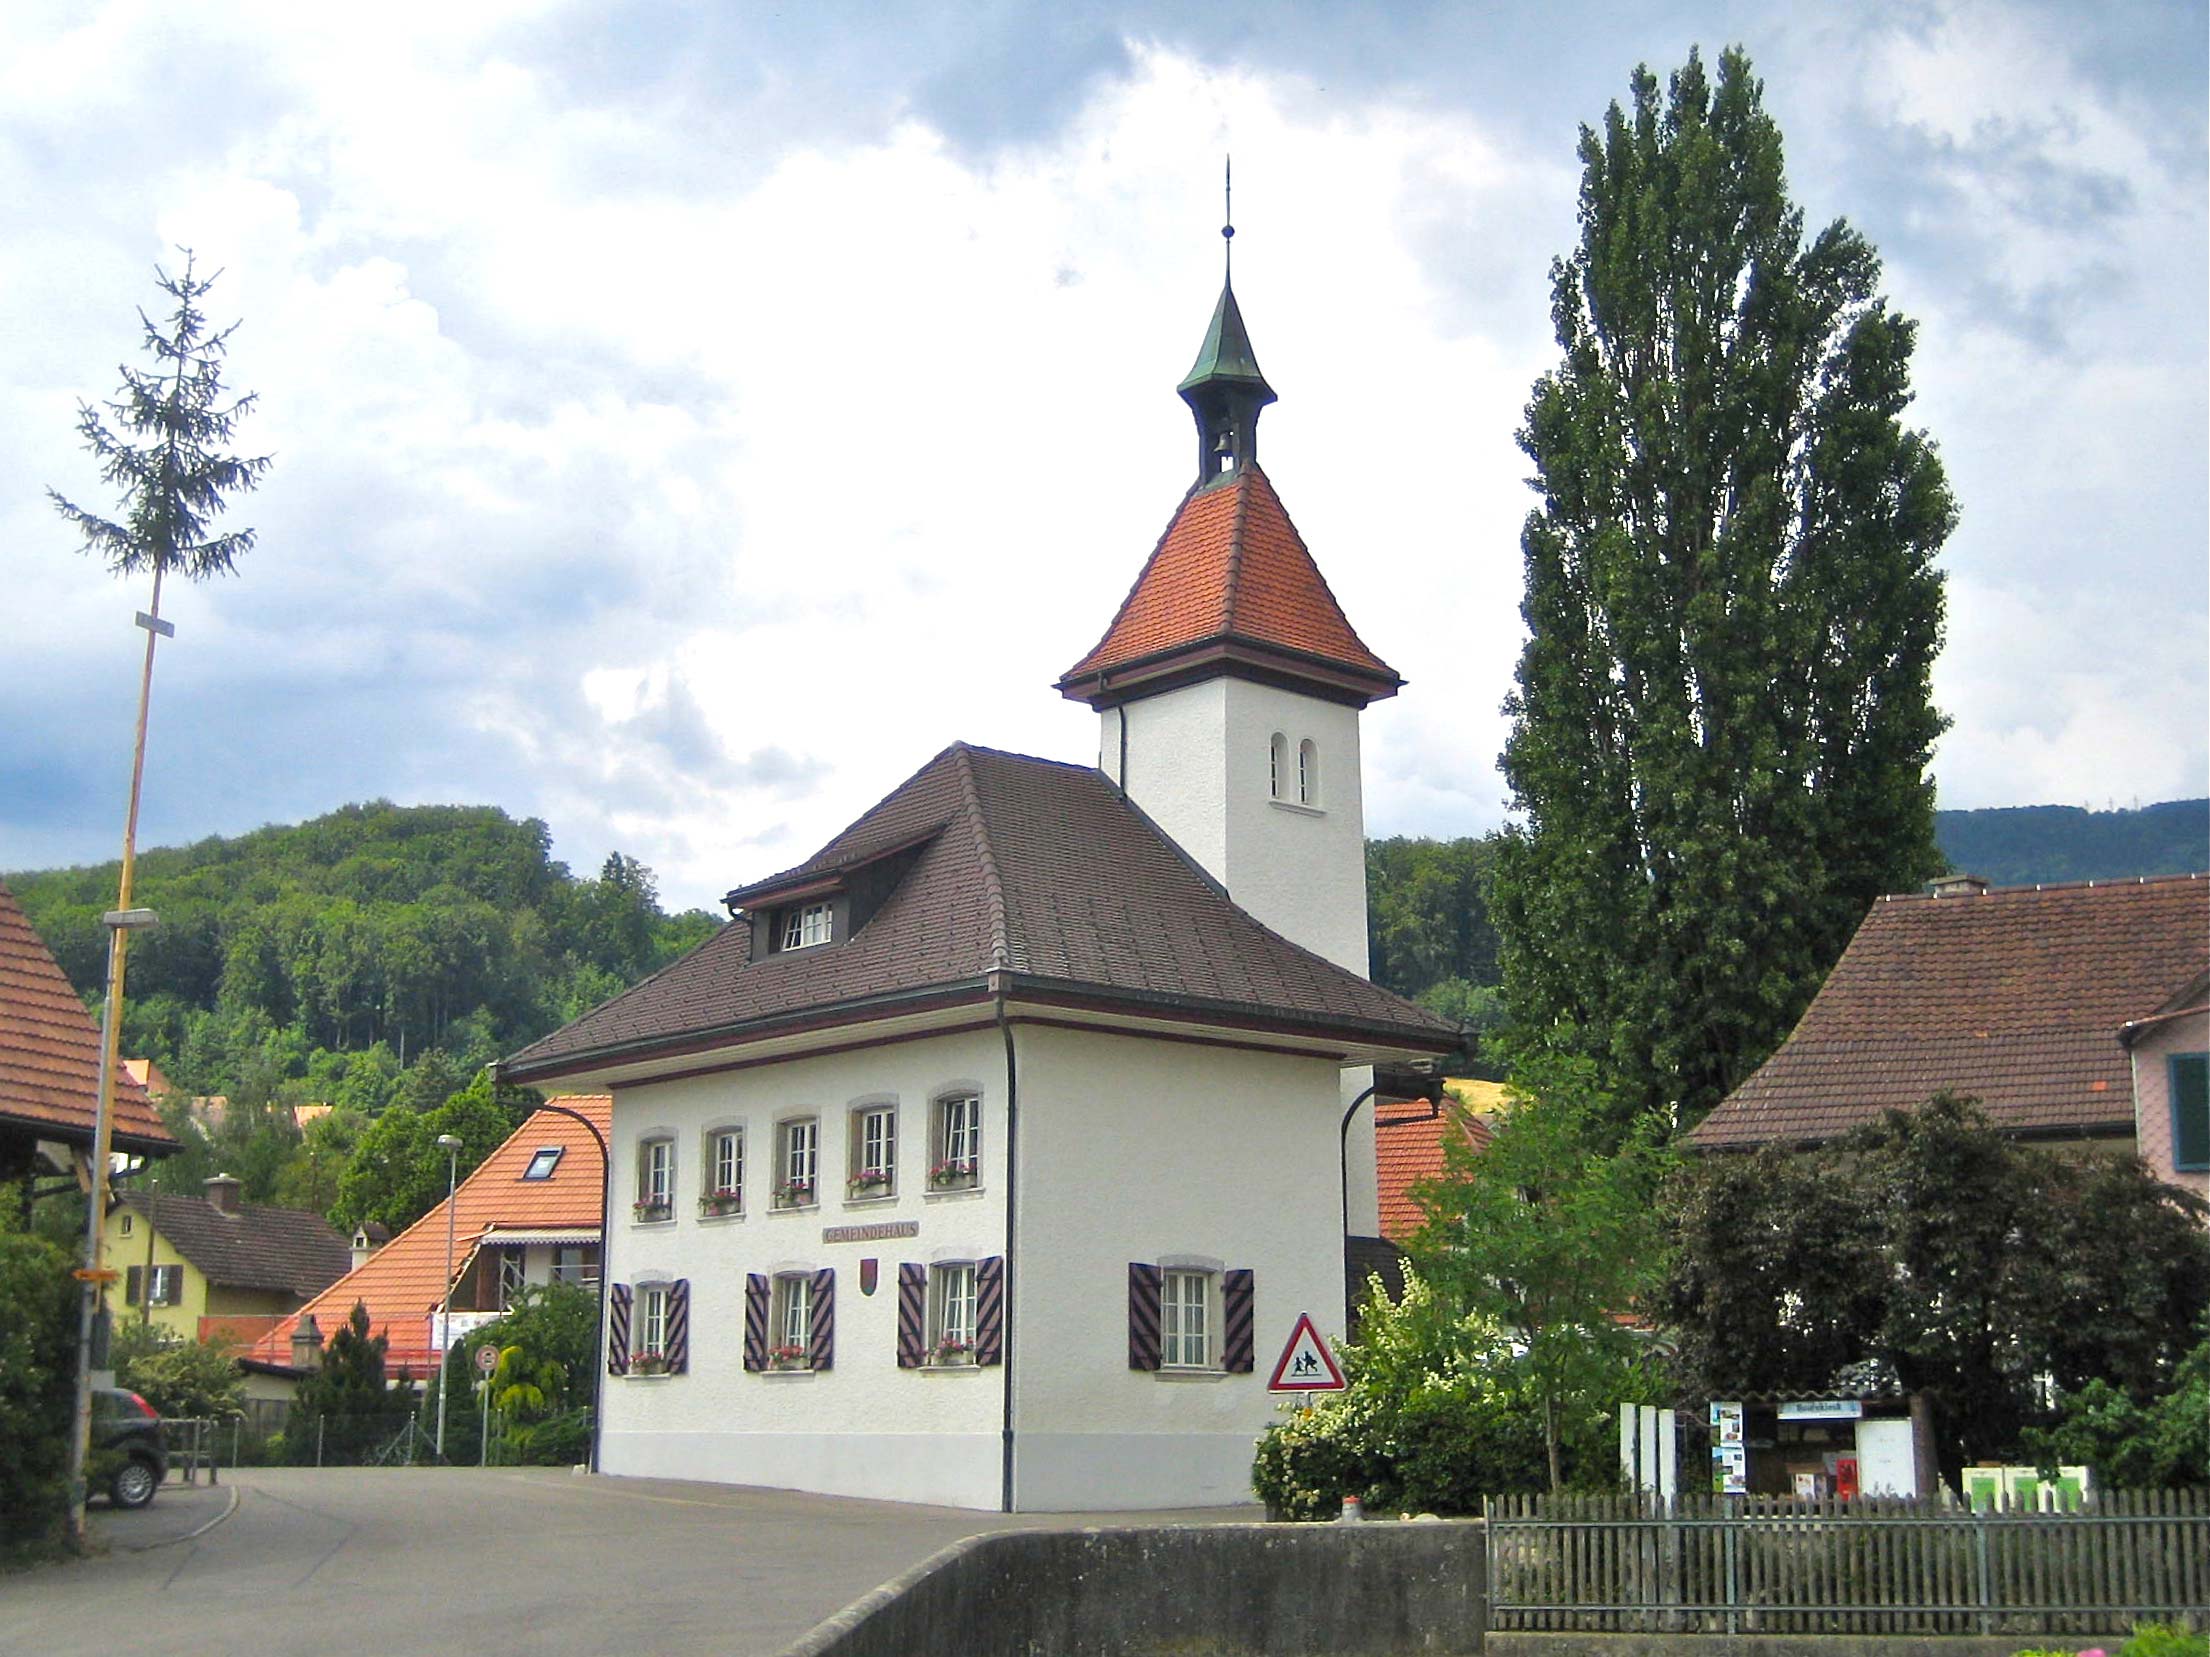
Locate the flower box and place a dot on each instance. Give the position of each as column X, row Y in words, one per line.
column 714, row 1203
column 786, row 1357
column 948, row 1354
column 869, row 1182
column 652, row 1208
column 648, row 1363
column 954, row 1172
column 796, row 1193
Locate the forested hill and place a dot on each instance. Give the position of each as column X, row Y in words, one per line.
column 378, row 930
column 2042, row 844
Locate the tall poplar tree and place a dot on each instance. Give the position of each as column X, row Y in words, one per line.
column 1723, row 716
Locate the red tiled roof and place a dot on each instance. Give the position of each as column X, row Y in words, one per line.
column 1408, row 1147
column 1230, row 570
column 2015, row 997
column 50, row 1051
column 1026, row 867
column 402, row 1283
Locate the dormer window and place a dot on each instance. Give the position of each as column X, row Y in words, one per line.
column 806, row 925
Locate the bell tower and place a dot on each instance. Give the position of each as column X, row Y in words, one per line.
column 1229, row 684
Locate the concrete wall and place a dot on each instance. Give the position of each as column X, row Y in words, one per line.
column 1214, row 1591
column 2152, row 1097
column 1168, row 1153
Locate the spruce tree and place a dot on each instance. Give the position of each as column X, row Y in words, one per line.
column 1723, row 714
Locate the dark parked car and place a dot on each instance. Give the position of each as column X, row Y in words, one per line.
column 130, row 1452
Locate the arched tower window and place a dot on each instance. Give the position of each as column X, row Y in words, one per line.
column 1277, row 764
column 1308, row 772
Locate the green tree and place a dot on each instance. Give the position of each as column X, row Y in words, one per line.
column 398, row 1173
column 178, row 1378
column 346, row 1404
column 2133, row 1444
column 1723, row 715
column 1974, row 1269
column 38, row 1338
column 1550, row 1232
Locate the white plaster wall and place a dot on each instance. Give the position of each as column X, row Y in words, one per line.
column 864, row 1427
column 1198, row 762
column 1132, row 1150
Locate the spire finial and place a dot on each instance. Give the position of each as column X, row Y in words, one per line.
column 1227, row 226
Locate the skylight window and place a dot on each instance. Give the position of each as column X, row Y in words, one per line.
column 541, row 1165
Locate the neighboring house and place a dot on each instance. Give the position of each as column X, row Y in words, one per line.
column 1409, row 1141
column 991, row 1154
column 527, row 1215
column 214, row 1267
column 50, row 1068
column 2169, row 1052
column 2016, row 997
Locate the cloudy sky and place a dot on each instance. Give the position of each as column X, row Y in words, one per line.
column 688, row 418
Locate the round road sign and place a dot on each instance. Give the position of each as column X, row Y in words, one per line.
column 487, row 1360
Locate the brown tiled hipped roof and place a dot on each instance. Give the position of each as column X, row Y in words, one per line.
column 2015, row 997
column 402, row 1283
column 50, row 1051
column 1025, row 867
column 255, row 1248
column 1231, row 574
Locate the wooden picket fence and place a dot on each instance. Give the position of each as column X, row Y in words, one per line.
column 1780, row 1565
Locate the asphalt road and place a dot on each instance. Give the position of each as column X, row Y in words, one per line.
column 482, row 1562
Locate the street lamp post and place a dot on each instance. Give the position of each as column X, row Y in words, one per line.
column 450, row 1145
column 119, row 923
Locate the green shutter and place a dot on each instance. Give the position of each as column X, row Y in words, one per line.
column 2190, row 1084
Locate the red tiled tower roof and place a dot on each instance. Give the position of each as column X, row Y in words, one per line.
column 50, row 1051
column 1230, row 588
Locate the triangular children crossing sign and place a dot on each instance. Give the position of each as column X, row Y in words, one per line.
column 1306, row 1364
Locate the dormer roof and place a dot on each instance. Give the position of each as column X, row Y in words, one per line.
column 1231, row 589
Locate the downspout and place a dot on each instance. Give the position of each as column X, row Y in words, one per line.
column 1008, row 1323
column 1343, row 1160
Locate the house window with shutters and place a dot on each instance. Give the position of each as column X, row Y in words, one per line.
column 2189, row 1077
column 955, row 1142
column 871, row 1155
column 951, row 1315
column 1190, row 1319
column 790, row 1321
column 164, row 1288
column 655, row 1179
column 648, row 1328
column 721, row 1193
column 797, row 1162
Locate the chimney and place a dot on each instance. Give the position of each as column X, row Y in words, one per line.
column 1959, row 886
column 363, row 1246
column 222, row 1191
column 306, row 1343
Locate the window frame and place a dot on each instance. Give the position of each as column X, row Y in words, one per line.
column 1277, row 764
column 1308, row 774
column 651, row 1305
column 955, row 1158
column 790, row 1306
column 655, row 1200
column 1175, row 1343
column 954, row 1303
column 861, row 1163
column 721, row 1172
column 793, row 1191
column 2174, row 1103
column 165, row 1284
column 807, row 925
column 585, row 1273
column 546, row 1157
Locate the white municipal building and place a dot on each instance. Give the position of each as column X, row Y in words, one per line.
column 988, row 1158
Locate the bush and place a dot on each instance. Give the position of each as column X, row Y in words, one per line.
column 2165, row 1639
column 179, row 1378
column 1436, row 1417
column 38, row 1351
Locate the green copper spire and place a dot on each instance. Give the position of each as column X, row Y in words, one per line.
column 1226, row 353
column 1224, row 387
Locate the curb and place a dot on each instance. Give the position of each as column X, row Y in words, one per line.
column 189, row 1536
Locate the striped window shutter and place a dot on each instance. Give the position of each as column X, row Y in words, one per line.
column 821, row 1350
column 1238, row 1291
column 756, row 1292
column 134, row 1286
column 617, row 1329
column 990, row 1310
column 1143, row 1315
column 913, row 1311
column 679, row 1326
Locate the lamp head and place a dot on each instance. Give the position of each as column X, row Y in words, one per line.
column 448, row 1141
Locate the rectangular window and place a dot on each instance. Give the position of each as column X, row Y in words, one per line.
column 957, row 1142
column 655, row 1179
column 952, row 1314
column 1184, row 1308
column 2189, row 1075
column 791, row 1322
column 724, row 1193
column 798, row 1159
column 805, row 926
column 164, row 1288
column 126, row 1225
column 576, row 1263
column 543, row 1162
column 872, row 1155
column 652, row 1328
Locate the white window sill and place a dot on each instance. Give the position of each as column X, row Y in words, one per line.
column 664, row 1219
column 953, row 1193
column 796, row 1208
column 656, row 1375
column 733, row 1214
column 1300, row 810
column 1165, row 1373
column 953, row 1369
column 872, row 1199
column 786, row 1374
